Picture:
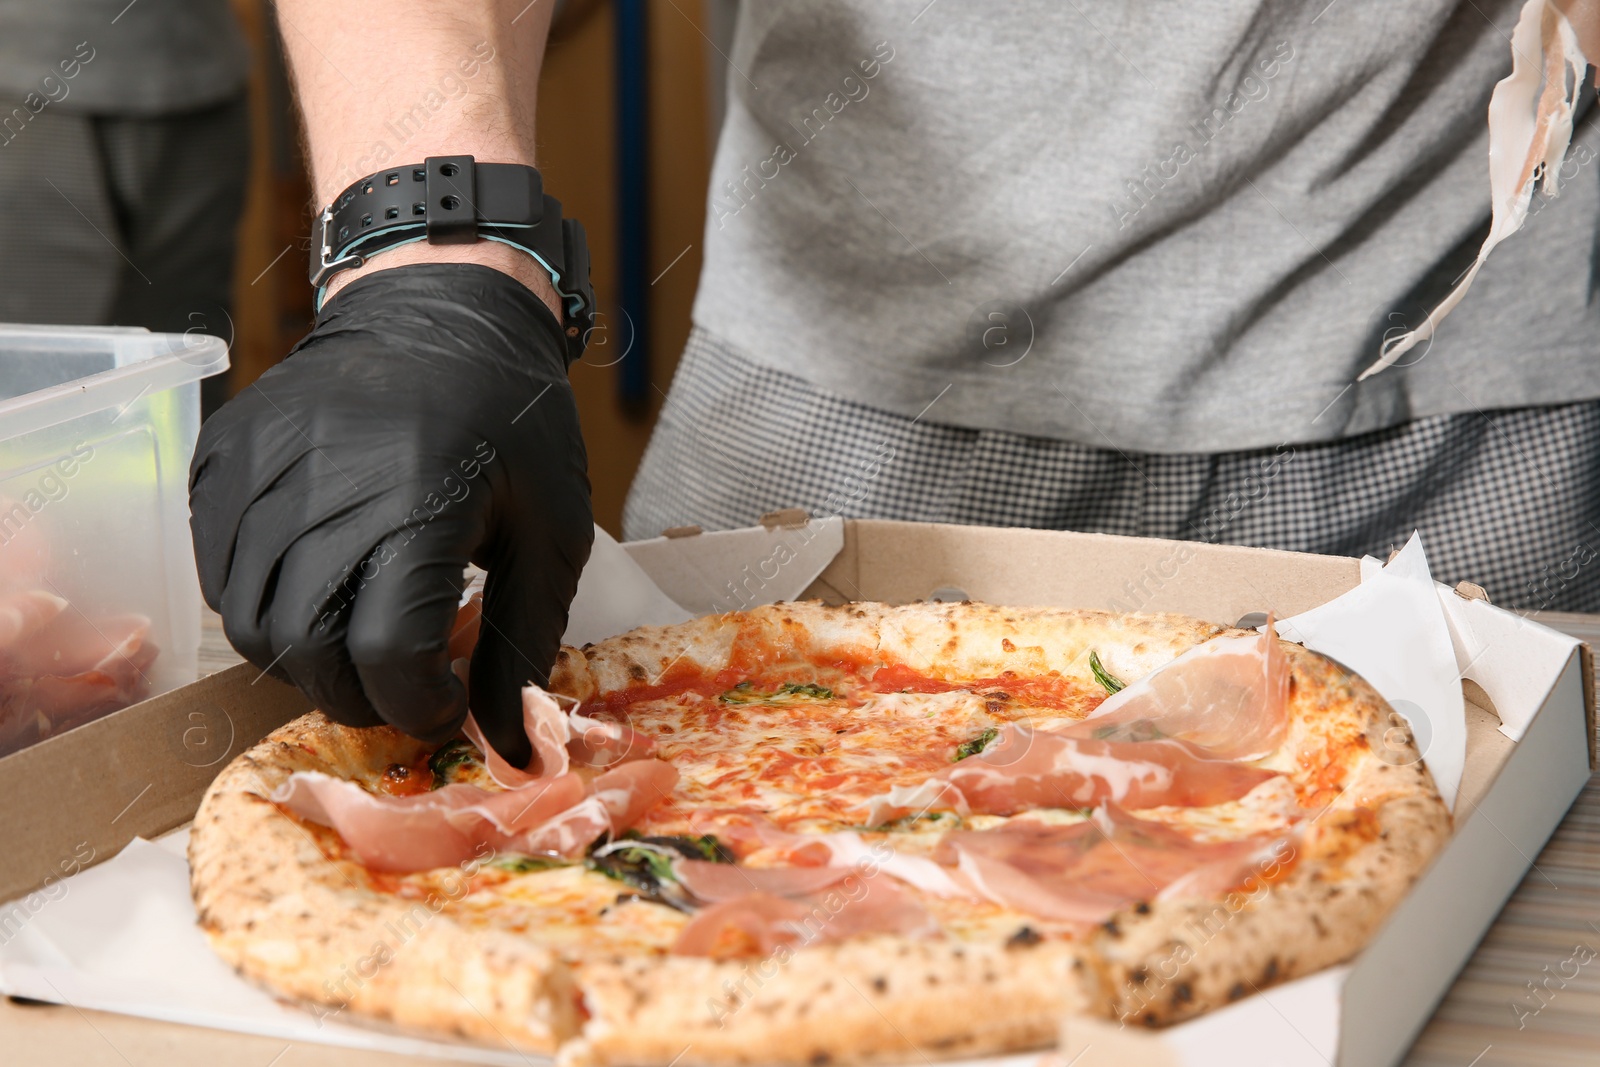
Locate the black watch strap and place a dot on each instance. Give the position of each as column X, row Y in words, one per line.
column 456, row 200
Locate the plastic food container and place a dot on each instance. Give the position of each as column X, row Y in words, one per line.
column 99, row 602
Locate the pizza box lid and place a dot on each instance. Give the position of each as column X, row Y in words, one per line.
column 77, row 799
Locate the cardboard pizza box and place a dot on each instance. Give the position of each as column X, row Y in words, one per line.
column 76, row 800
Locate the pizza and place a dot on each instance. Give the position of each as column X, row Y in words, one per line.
column 809, row 834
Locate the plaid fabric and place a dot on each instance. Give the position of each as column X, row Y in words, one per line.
column 1509, row 499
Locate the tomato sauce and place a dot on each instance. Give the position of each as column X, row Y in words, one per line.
column 1043, row 691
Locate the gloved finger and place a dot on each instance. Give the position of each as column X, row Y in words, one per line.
column 310, row 619
column 525, row 600
column 237, row 459
column 217, row 498
column 399, row 629
column 246, row 594
column 310, row 494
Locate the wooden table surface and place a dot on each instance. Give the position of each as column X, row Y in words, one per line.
column 1490, row 1017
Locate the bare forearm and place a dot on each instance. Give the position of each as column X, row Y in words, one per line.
column 381, row 85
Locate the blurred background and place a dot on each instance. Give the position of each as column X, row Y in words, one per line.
column 629, row 108
column 152, row 176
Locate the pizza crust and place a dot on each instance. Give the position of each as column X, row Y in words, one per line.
column 283, row 914
column 1178, row 960
column 867, row 1000
column 310, row 928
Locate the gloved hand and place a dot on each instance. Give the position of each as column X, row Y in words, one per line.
column 426, row 420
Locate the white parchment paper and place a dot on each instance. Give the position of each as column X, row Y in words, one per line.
column 1391, row 630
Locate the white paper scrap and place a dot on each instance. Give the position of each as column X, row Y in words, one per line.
column 1517, row 683
column 732, row 570
column 122, row 937
column 1391, row 630
column 615, row 595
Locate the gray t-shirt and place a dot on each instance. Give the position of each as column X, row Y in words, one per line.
column 112, row 57
column 1205, row 214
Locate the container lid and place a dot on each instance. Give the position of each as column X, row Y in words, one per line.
column 138, row 363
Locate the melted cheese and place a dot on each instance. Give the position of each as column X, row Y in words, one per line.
column 811, row 764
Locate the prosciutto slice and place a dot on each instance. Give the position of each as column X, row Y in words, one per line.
column 60, row 669
column 618, row 799
column 1084, row 872
column 438, row 829
column 758, row 923
column 750, row 832
column 718, row 882
column 1530, row 126
column 1024, row 769
column 25, row 613
column 542, row 811
column 1228, row 696
column 560, row 739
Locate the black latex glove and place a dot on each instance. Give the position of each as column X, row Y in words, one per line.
column 426, row 420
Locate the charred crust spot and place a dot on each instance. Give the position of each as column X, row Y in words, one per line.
column 1271, row 973
column 820, row 1059
column 1237, row 992
column 1025, row 937
column 1142, row 908
column 1151, row 1020
column 1006, row 645
column 880, row 983
column 1111, row 928
column 1139, row 976
column 1183, row 994
column 637, row 673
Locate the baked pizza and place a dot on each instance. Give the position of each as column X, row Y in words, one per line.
column 811, row 834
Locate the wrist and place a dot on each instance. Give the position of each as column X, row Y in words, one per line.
column 503, row 258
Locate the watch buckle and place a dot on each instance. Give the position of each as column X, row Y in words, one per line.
column 326, row 267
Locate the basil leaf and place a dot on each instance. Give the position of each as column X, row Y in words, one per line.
column 976, row 745
column 451, row 755
column 517, row 863
column 788, row 693
column 1104, row 677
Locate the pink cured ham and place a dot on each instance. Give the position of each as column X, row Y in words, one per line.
column 560, row 739
column 60, row 669
column 538, row 813
column 749, row 833
column 1084, row 872
column 25, row 613
column 718, row 882
column 1023, row 769
column 758, row 923
column 617, row 801
column 416, row 833
column 1229, row 696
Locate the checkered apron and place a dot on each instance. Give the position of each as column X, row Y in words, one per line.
column 1508, row 499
